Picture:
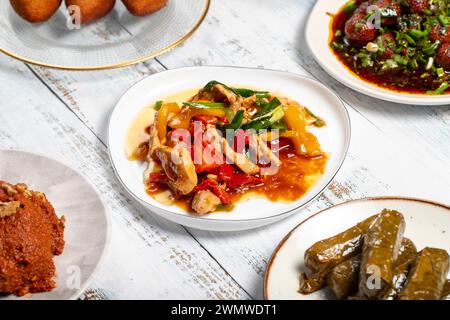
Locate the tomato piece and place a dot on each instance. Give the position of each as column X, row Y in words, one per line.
column 206, row 167
column 241, row 139
column 225, row 172
column 224, row 120
column 158, row 177
column 242, row 179
column 213, row 186
column 205, row 119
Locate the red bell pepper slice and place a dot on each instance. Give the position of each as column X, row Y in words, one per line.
column 225, row 172
column 206, row 167
column 242, row 179
column 158, row 177
column 243, row 137
column 206, row 119
column 224, row 120
column 210, row 159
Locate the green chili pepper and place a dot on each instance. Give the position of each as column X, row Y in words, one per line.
column 410, row 40
column 319, row 122
column 260, row 102
column 431, row 48
column 237, row 120
column 268, row 107
column 229, row 114
column 158, row 105
column 266, row 120
column 389, row 64
column 440, row 90
column 279, row 125
column 413, row 65
column 417, row 34
column 248, row 93
column 210, row 84
column 205, row 105
column 257, row 125
column 443, row 20
column 350, row 6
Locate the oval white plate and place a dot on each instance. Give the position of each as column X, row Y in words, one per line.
column 427, row 224
column 317, row 38
column 87, row 222
column 253, row 213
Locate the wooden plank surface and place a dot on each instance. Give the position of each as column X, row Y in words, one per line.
column 149, row 257
column 395, row 150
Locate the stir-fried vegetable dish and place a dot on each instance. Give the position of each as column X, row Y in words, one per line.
column 403, row 45
column 224, row 142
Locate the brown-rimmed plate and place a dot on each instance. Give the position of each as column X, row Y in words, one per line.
column 427, row 224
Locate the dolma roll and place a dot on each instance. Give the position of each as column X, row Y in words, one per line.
column 343, row 278
column 327, row 253
column 405, row 260
column 312, row 283
column 323, row 255
column 380, row 251
column 446, row 292
column 427, row 277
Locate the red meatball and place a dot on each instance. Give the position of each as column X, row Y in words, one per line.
column 387, row 39
column 443, row 56
column 417, row 6
column 388, row 5
column 357, row 30
column 440, row 33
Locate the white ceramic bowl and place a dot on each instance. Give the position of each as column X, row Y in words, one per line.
column 317, row 38
column 253, row 213
column 427, row 224
column 87, row 229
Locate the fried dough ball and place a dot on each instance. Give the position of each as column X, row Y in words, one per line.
column 35, row 10
column 144, row 7
column 92, row 10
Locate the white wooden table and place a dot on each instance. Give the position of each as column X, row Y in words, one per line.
column 395, row 150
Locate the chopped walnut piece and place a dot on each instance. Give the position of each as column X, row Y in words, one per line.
column 8, row 208
column 62, row 221
column 10, row 191
column 23, row 188
column 40, row 195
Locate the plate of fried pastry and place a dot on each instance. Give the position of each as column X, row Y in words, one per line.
column 95, row 34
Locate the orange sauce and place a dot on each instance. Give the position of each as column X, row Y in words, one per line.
column 296, row 175
column 294, row 178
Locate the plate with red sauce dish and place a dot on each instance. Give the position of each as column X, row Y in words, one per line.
column 375, row 47
column 241, row 192
column 54, row 241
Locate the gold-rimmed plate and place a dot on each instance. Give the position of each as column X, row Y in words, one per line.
column 117, row 40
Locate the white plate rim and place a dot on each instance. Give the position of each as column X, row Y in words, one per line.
column 345, row 76
column 283, row 241
column 206, row 218
column 106, row 212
